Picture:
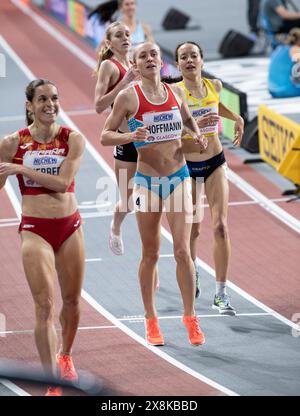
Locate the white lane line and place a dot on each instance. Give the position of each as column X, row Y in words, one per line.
column 264, row 202
column 13, row 387
column 93, row 205
column 17, row 206
column 8, row 220
column 93, row 260
column 52, row 31
column 71, row 113
column 31, row 331
column 87, row 112
column 97, row 214
column 156, row 351
column 6, row 119
column 97, row 259
column 249, row 190
column 10, row 224
column 251, row 202
column 140, row 318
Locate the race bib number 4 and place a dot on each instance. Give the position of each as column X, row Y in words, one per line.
column 163, row 126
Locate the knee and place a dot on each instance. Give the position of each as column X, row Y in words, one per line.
column 71, row 302
column 221, row 229
column 44, row 310
column 150, row 257
column 182, row 255
column 195, row 232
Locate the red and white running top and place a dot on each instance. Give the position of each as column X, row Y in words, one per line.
column 163, row 120
column 42, row 157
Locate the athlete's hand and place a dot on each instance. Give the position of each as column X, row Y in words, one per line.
column 208, row 119
column 140, row 135
column 202, row 141
column 130, row 76
column 7, row 169
column 238, row 131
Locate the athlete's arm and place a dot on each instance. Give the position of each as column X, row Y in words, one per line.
column 190, row 125
column 8, row 148
column 105, row 80
column 287, row 14
column 239, row 123
column 124, row 106
column 227, row 113
column 147, row 32
column 67, row 171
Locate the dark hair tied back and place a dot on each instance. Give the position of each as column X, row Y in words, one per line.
column 30, row 91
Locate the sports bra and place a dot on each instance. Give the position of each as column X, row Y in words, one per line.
column 42, row 157
column 200, row 106
column 163, row 120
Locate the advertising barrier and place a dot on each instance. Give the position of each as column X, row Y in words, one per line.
column 279, row 143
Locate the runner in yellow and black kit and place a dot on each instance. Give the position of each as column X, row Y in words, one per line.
column 209, row 166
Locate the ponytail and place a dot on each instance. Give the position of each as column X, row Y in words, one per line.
column 105, row 52
column 293, row 36
column 29, row 119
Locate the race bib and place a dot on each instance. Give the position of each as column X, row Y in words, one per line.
column 198, row 112
column 163, row 126
column 49, row 164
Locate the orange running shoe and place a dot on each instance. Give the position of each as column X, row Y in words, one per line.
column 196, row 336
column 66, row 366
column 54, row 391
column 153, row 334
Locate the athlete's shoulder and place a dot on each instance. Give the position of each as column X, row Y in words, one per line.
column 76, row 142
column 177, row 90
column 108, row 66
column 126, row 100
column 128, row 93
column 217, row 85
column 9, row 145
column 76, row 135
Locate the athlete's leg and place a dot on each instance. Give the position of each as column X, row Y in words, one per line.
column 124, row 173
column 197, row 192
column 39, row 266
column 180, row 221
column 179, row 214
column 148, row 214
column 217, row 192
column 70, row 262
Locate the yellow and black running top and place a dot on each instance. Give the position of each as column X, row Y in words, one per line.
column 200, row 106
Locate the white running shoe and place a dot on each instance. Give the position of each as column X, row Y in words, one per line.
column 116, row 243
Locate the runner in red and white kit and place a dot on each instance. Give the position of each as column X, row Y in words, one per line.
column 115, row 73
column 45, row 157
column 156, row 114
